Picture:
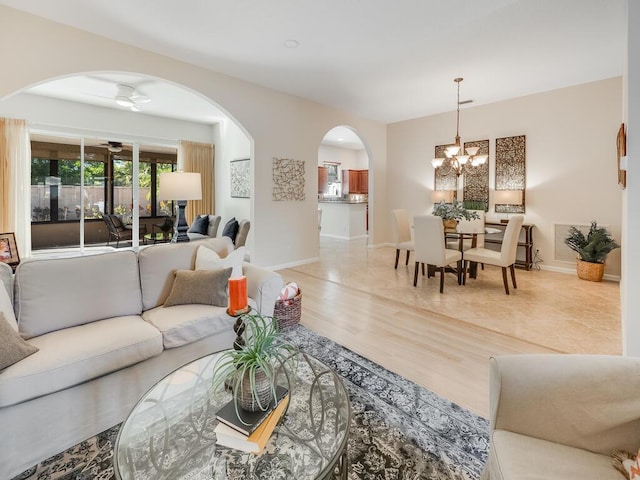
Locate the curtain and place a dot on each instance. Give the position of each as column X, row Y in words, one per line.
column 15, row 182
column 198, row 157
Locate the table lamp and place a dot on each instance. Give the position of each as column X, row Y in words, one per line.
column 508, row 197
column 181, row 187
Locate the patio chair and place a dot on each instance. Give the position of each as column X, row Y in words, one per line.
column 116, row 229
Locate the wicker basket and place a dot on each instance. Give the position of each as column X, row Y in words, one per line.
column 288, row 312
column 590, row 271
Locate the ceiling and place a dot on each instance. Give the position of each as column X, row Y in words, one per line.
column 384, row 60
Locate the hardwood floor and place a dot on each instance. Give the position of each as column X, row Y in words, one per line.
column 444, row 341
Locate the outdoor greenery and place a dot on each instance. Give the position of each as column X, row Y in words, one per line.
column 263, row 350
column 593, row 247
column 475, row 205
column 454, row 211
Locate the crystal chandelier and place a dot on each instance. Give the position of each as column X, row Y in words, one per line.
column 456, row 159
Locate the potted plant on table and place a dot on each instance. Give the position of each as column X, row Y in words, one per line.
column 592, row 250
column 452, row 212
column 249, row 370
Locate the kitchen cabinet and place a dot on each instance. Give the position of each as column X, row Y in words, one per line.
column 355, row 181
column 323, row 179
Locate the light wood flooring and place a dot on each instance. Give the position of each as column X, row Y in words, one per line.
column 443, row 342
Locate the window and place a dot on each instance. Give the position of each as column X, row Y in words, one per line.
column 56, row 191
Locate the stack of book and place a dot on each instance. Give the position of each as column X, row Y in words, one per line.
column 251, row 431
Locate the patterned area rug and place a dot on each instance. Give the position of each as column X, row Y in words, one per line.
column 399, row 430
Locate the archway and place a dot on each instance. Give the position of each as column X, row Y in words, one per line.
column 83, row 106
column 343, row 185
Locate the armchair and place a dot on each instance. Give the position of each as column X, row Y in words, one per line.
column 561, row 416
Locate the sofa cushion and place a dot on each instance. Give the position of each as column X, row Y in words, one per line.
column 6, row 308
column 207, row 259
column 200, row 225
column 231, row 229
column 57, row 293
column 158, row 264
column 208, row 287
column 14, row 348
column 515, row 456
column 184, row 324
column 75, row 355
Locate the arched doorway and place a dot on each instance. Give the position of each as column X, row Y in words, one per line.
column 343, row 185
column 85, row 110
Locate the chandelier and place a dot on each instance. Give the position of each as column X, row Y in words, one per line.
column 456, row 159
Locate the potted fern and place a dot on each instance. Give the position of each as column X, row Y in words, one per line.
column 592, row 250
column 249, row 370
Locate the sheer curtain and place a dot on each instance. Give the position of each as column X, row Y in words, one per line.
column 15, row 182
column 198, row 157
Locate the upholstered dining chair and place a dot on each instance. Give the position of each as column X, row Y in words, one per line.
column 475, row 225
column 402, row 234
column 430, row 248
column 505, row 258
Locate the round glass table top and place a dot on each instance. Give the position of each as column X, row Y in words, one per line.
column 170, row 434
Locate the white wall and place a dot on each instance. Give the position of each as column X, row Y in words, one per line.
column 34, row 50
column 570, row 155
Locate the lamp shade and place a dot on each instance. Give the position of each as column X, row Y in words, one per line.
column 445, row 196
column 180, row 186
column 508, row 197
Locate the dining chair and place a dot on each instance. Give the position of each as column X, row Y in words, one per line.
column 402, row 234
column 430, row 248
column 505, row 258
column 475, row 225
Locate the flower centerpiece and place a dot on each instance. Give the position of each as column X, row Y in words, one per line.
column 250, row 368
column 592, row 250
column 452, row 212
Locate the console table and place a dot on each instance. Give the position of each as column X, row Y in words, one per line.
column 525, row 241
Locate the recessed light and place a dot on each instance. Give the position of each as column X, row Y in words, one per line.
column 291, row 43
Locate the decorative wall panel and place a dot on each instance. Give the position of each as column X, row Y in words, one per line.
column 511, row 169
column 288, row 179
column 444, row 179
column 240, row 178
column 476, row 179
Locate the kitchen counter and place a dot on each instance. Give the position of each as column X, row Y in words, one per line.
column 343, row 219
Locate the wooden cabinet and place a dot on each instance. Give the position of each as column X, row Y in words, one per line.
column 323, row 179
column 355, row 181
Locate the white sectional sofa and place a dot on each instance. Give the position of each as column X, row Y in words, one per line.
column 104, row 339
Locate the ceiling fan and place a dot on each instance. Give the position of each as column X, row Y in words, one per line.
column 126, row 96
column 113, row 147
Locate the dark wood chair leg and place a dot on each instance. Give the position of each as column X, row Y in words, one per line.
column 465, row 264
column 423, row 269
column 397, row 257
column 459, row 272
column 504, row 280
column 442, row 279
column 407, row 259
column 513, row 275
column 415, row 274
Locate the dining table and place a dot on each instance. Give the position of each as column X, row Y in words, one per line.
column 470, row 232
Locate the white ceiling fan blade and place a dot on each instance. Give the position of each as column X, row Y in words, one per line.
column 140, row 98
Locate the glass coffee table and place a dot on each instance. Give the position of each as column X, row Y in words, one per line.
column 169, row 434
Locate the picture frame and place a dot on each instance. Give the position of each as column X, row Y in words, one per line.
column 240, row 175
column 621, row 147
column 9, row 249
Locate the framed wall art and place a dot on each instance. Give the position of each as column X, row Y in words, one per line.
column 240, row 175
column 9, row 249
column 288, row 179
column 511, row 170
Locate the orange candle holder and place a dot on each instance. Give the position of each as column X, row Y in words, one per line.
column 238, row 298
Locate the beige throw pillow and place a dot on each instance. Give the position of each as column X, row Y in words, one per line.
column 6, row 307
column 14, row 348
column 208, row 287
column 207, row 259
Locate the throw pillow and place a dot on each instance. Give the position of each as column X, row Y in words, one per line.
column 207, row 259
column 14, row 348
column 628, row 464
column 199, row 225
column 6, row 307
column 207, row 287
column 231, row 229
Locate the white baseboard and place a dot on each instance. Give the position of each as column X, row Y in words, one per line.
column 293, row 264
column 339, row 237
column 572, row 271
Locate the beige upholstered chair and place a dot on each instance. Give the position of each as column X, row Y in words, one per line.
column 430, row 247
column 402, row 234
column 243, row 232
column 505, row 258
column 561, row 416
